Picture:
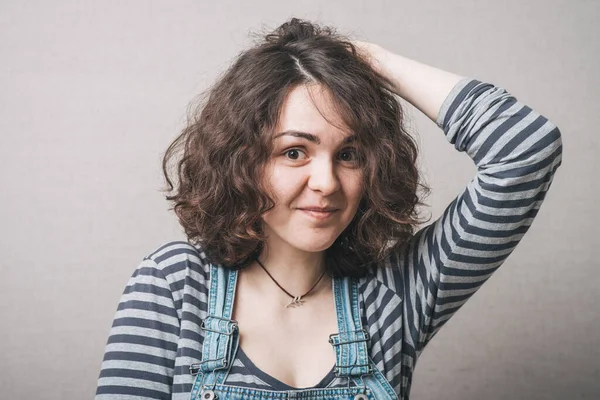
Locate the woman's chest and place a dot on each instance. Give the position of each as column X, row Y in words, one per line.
column 290, row 345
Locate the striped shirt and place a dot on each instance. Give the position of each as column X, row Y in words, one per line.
column 156, row 332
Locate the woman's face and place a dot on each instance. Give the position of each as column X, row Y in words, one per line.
column 314, row 165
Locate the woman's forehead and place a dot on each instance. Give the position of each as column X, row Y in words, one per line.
column 310, row 109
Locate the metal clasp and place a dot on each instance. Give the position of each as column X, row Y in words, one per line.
column 208, row 395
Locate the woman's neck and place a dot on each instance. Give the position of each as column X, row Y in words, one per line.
column 295, row 270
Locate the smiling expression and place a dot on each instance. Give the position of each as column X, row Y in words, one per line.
column 315, row 165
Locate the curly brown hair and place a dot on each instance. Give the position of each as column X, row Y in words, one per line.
column 221, row 155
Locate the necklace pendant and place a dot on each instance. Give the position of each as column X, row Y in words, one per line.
column 296, row 302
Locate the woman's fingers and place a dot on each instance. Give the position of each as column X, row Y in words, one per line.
column 376, row 56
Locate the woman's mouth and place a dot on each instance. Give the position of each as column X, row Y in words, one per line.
column 318, row 215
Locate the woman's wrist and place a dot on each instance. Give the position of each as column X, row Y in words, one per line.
column 422, row 85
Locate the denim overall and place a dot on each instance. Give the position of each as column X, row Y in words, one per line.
column 221, row 342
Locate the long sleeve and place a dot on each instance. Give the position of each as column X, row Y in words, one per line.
column 142, row 345
column 516, row 151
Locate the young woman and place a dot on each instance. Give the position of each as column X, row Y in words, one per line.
column 297, row 187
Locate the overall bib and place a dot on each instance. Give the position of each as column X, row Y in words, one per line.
column 221, row 342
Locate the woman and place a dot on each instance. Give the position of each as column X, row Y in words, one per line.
column 297, row 188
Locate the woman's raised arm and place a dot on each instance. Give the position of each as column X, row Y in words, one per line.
column 422, row 85
column 516, row 151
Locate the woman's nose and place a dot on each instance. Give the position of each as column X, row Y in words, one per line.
column 323, row 178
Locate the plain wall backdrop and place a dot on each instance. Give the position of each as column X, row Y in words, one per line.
column 92, row 93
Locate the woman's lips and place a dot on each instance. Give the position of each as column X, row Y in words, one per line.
column 319, row 215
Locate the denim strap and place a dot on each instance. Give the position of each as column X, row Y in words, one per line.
column 350, row 343
column 221, row 332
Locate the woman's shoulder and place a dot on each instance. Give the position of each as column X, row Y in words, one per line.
column 179, row 263
column 384, row 278
column 175, row 251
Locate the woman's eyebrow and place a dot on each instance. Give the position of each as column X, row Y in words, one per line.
column 310, row 137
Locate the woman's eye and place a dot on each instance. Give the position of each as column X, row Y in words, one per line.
column 293, row 154
column 349, row 155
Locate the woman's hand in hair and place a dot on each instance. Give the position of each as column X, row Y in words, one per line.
column 378, row 58
column 424, row 86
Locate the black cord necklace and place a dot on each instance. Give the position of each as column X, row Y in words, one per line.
column 297, row 301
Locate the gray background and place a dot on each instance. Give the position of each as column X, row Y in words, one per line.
column 91, row 94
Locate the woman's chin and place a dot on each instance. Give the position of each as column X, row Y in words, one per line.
column 315, row 246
